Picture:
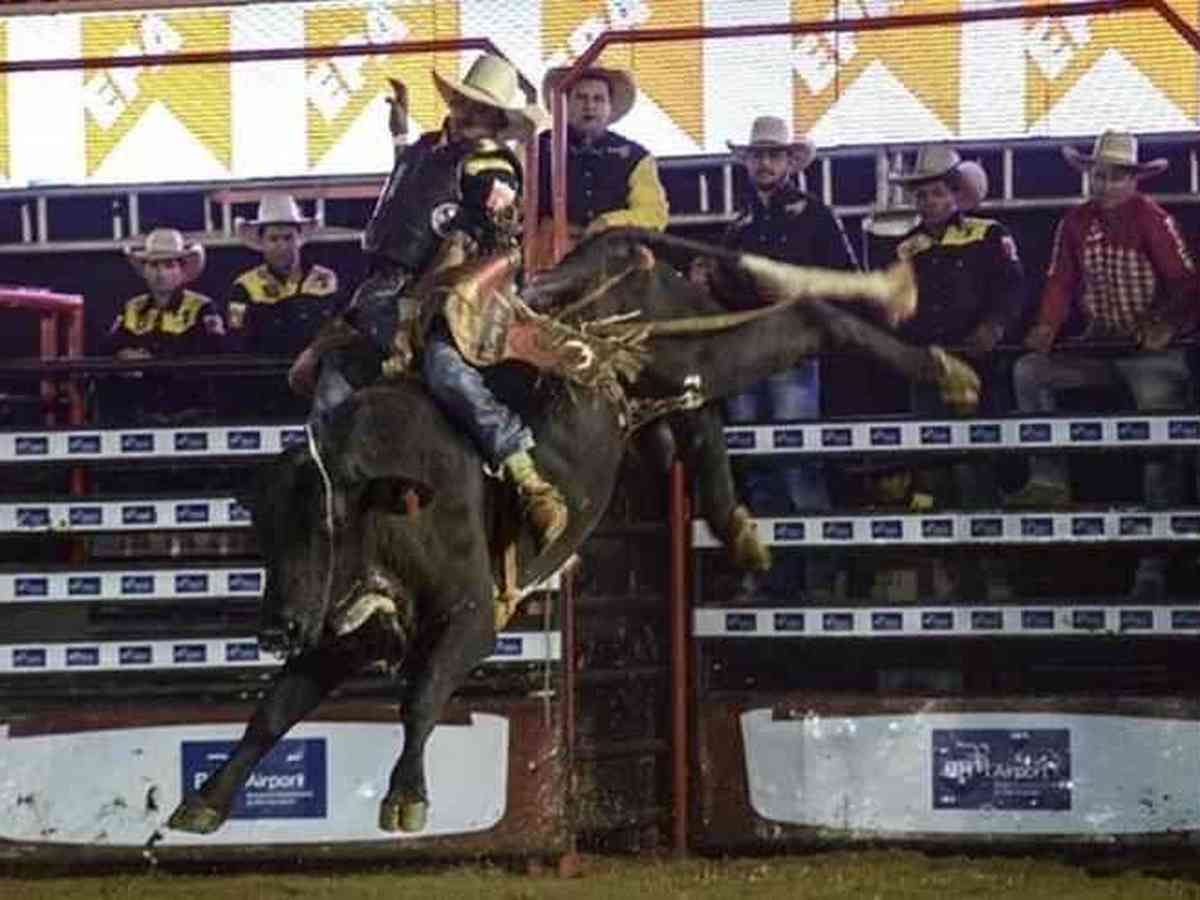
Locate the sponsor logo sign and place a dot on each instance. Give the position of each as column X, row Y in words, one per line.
column 996, row 768
column 291, row 782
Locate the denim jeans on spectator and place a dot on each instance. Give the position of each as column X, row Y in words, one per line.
column 784, row 487
column 974, row 480
column 1159, row 382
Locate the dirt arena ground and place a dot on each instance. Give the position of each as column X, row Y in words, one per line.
column 902, row 875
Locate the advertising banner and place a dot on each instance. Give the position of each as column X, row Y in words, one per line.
column 323, row 783
column 997, row 773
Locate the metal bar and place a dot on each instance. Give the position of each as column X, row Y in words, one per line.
column 880, row 23
column 1006, row 162
column 704, row 193
column 566, row 600
column 529, row 199
column 680, row 550
column 135, row 215
column 267, row 54
column 1176, row 21
column 558, row 168
column 74, row 7
column 39, row 300
column 48, row 334
column 43, row 223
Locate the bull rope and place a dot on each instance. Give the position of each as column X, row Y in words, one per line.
column 327, row 486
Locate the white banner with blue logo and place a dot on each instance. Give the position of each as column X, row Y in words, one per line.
column 1005, row 773
column 323, row 783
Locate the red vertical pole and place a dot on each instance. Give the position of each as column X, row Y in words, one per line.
column 75, row 415
column 558, row 170
column 680, row 628
column 49, row 348
column 568, row 864
column 531, row 201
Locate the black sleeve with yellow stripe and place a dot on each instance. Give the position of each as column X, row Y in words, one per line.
column 273, row 317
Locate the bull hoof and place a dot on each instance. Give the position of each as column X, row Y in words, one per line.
column 195, row 816
column 746, row 550
column 956, row 381
column 403, row 812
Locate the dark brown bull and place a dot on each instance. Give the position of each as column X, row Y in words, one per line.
column 411, row 503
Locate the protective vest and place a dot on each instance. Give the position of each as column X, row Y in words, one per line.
column 420, row 200
column 597, row 175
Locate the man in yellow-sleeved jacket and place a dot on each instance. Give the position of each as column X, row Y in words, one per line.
column 612, row 181
column 275, row 308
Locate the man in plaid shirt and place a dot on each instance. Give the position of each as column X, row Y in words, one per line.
column 1121, row 259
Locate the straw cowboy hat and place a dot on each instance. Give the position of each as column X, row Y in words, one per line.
column 1114, row 148
column 273, row 209
column 771, row 132
column 937, row 161
column 622, row 89
column 168, row 243
column 493, row 82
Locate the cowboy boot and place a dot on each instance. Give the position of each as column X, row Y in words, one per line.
column 541, row 503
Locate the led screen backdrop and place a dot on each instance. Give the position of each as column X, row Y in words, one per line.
column 1068, row 76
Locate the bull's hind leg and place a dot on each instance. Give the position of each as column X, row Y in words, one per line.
column 701, row 440
column 302, row 684
column 466, row 641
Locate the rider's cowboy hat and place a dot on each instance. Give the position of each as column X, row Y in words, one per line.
column 493, row 82
column 168, row 243
column 771, row 132
column 622, row 89
column 936, row 161
column 1114, row 148
column 273, row 209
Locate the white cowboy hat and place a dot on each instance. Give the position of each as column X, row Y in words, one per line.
column 1114, row 148
column 493, row 82
column 936, row 161
column 622, row 89
column 772, row 132
column 273, row 209
column 168, row 243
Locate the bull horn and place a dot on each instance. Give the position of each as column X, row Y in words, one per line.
column 894, row 290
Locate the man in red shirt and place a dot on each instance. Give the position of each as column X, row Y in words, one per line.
column 1120, row 261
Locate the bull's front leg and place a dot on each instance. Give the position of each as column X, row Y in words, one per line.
column 300, row 686
column 466, row 641
column 700, row 436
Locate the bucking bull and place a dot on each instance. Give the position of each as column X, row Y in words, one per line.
column 395, row 492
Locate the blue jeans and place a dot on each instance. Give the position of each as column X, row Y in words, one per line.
column 788, row 396
column 783, row 490
column 974, row 482
column 462, row 393
column 1159, row 382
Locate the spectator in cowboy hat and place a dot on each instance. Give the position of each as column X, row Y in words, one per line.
column 168, row 320
column 783, row 222
column 1120, row 261
column 275, row 308
column 972, row 287
column 611, row 180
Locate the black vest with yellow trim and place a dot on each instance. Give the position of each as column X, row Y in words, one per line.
column 422, row 200
column 164, row 331
column 957, row 277
column 597, row 175
column 278, row 317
